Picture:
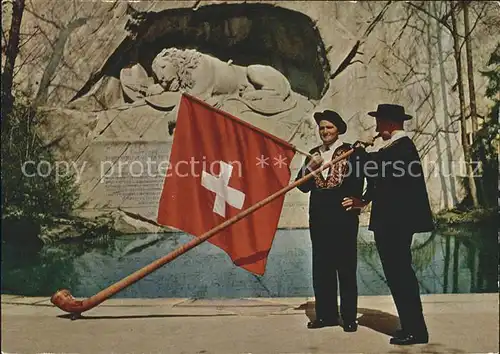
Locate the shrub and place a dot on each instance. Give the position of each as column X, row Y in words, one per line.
column 30, row 200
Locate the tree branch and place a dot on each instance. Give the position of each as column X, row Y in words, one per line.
column 377, row 19
column 42, row 18
column 479, row 16
column 30, row 37
column 401, row 31
column 347, row 61
column 31, row 55
column 4, row 37
column 440, row 20
column 47, row 38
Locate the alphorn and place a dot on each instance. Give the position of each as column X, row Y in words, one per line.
column 66, row 302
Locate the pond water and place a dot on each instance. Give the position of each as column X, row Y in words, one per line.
column 453, row 260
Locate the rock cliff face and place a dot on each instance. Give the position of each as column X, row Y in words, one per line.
column 111, row 74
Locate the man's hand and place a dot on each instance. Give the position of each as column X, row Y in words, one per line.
column 315, row 162
column 364, row 143
column 350, row 203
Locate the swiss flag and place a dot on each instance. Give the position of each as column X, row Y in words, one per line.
column 220, row 166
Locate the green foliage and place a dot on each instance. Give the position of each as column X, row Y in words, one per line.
column 493, row 75
column 446, row 218
column 30, row 199
column 487, row 142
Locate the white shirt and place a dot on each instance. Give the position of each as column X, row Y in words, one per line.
column 327, row 154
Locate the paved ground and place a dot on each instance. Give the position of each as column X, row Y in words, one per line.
column 457, row 324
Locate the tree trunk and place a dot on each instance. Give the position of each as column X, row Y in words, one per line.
column 461, row 97
column 470, row 69
column 434, row 113
column 10, row 56
column 446, row 114
column 470, row 78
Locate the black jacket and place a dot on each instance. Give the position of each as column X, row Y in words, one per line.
column 397, row 190
column 326, row 203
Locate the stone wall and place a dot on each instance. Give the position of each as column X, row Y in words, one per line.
column 91, row 64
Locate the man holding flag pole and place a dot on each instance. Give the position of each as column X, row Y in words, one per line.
column 333, row 227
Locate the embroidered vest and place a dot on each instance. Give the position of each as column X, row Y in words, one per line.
column 336, row 172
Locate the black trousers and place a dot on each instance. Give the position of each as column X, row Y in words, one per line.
column 395, row 254
column 334, row 253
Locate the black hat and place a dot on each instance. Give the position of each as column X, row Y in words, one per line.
column 333, row 117
column 391, row 112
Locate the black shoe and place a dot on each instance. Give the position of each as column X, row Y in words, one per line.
column 319, row 323
column 351, row 326
column 409, row 339
column 399, row 334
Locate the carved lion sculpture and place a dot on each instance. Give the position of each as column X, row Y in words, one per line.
column 262, row 88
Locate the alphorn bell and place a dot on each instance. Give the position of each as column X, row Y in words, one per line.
column 66, row 302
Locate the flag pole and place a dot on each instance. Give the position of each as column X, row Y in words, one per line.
column 303, row 152
column 66, row 302
column 295, row 148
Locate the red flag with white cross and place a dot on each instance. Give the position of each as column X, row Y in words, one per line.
column 219, row 166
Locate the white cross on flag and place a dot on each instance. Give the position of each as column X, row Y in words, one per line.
column 213, row 176
column 220, row 186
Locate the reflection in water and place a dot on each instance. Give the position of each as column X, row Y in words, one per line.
column 463, row 257
column 446, row 264
column 30, row 272
column 36, row 274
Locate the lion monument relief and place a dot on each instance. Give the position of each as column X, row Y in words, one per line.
column 261, row 88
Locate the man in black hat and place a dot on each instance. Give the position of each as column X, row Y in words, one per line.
column 400, row 208
column 333, row 229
